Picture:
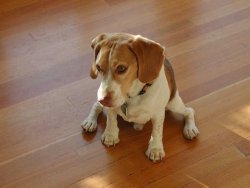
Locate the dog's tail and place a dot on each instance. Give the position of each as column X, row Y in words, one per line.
column 169, row 71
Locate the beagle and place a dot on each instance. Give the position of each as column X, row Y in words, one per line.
column 137, row 84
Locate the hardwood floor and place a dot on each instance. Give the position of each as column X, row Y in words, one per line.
column 46, row 92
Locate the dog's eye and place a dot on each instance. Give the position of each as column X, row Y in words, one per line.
column 121, row 69
column 98, row 68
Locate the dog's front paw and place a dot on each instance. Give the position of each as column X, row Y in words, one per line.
column 190, row 131
column 155, row 153
column 110, row 139
column 89, row 125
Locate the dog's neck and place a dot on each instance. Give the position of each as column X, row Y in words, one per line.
column 124, row 107
column 143, row 90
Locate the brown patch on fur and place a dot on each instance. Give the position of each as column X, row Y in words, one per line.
column 150, row 56
column 123, row 56
column 93, row 71
column 105, row 41
column 142, row 57
column 102, row 62
column 169, row 72
column 115, row 50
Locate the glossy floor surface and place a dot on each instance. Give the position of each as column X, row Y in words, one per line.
column 46, row 92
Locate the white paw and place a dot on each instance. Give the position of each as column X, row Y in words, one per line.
column 89, row 125
column 155, row 153
column 190, row 131
column 110, row 139
column 138, row 127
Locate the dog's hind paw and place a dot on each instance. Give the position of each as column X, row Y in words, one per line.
column 89, row 125
column 190, row 131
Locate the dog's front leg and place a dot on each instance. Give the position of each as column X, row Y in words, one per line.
column 90, row 123
column 110, row 136
column 155, row 149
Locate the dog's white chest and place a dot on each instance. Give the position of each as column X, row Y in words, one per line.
column 142, row 108
column 135, row 113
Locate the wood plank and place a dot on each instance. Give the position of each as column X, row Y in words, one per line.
column 195, row 81
column 23, row 84
column 244, row 147
column 213, row 138
column 219, row 12
column 180, row 158
column 45, row 92
column 52, row 117
column 209, row 34
column 192, row 175
column 31, row 85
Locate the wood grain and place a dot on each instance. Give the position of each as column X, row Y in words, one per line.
column 45, row 93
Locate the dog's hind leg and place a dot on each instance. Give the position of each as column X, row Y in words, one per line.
column 90, row 123
column 176, row 105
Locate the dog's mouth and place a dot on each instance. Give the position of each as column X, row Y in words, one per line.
column 112, row 103
column 107, row 104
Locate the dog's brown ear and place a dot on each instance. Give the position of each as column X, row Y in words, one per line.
column 96, row 45
column 97, row 42
column 150, row 57
column 93, row 71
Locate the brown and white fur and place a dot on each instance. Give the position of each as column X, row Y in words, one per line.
column 126, row 63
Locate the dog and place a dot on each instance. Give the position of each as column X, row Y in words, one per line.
column 137, row 84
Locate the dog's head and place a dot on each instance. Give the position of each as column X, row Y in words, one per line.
column 125, row 62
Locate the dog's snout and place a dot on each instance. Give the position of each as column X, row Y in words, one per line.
column 106, row 101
